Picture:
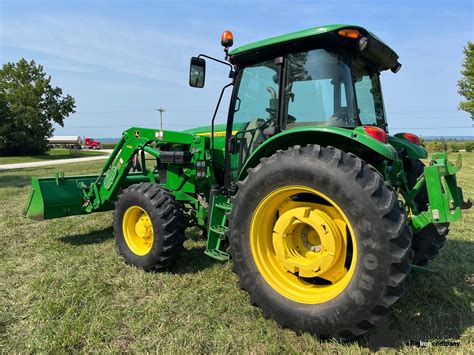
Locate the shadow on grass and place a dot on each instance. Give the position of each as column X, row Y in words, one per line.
column 7, row 180
column 193, row 259
column 436, row 305
column 95, row 237
column 190, row 260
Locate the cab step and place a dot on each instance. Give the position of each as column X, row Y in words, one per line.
column 217, row 254
column 224, row 206
column 218, row 229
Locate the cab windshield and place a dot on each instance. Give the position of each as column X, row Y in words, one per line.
column 323, row 87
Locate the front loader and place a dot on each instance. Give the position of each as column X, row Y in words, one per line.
column 322, row 211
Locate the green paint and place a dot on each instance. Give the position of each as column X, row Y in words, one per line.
column 335, row 136
column 413, row 151
column 299, row 35
column 293, row 36
column 445, row 197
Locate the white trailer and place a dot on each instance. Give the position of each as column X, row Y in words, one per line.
column 70, row 142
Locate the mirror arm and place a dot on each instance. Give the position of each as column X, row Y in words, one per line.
column 219, row 61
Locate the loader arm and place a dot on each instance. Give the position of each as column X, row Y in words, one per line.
column 62, row 196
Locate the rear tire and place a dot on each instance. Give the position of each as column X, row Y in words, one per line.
column 427, row 242
column 148, row 226
column 379, row 263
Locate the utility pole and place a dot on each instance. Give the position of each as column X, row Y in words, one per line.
column 161, row 110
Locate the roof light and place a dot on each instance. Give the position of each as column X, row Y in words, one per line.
column 227, row 39
column 377, row 133
column 412, row 138
column 363, row 42
column 396, row 68
column 349, row 33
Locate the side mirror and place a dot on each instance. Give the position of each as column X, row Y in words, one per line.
column 197, row 72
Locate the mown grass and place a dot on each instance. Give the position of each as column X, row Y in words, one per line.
column 64, row 289
column 53, row 154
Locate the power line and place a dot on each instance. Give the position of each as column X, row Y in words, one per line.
column 210, row 111
column 141, row 110
column 204, row 124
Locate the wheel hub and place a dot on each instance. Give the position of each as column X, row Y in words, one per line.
column 306, row 241
column 137, row 230
column 300, row 240
column 143, row 227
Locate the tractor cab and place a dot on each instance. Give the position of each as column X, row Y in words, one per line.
column 325, row 77
column 322, row 87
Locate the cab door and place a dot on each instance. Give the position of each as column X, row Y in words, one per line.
column 254, row 111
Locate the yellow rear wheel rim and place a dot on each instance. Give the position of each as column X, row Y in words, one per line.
column 137, row 230
column 306, row 251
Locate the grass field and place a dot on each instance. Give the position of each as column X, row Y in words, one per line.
column 64, row 289
column 53, row 154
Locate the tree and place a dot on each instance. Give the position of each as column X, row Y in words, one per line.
column 29, row 104
column 466, row 84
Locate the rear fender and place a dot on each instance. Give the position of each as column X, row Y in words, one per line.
column 414, row 152
column 355, row 141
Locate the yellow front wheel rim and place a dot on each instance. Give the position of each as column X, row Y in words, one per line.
column 303, row 244
column 137, row 230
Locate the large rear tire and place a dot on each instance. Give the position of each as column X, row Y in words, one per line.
column 148, row 226
column 319, row 241
column 428, row 241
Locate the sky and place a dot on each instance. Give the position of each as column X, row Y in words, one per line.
column 122, row 60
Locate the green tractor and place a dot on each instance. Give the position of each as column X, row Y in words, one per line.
column 322, row 212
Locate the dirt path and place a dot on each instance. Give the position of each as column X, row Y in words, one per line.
column 55, row 162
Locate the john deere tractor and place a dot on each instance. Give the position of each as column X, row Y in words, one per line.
column 322, row 211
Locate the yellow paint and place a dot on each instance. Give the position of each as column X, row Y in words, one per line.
column 307, row 240
column 216, row 134
column 137, row 230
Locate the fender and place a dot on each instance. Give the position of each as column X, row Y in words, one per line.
column 413, row 151
column 348, row 140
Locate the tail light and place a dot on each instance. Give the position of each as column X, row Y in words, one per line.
column 377, row 133
column 412, row 138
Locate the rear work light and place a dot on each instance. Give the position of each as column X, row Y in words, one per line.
column 377, row 133
column 412, row 138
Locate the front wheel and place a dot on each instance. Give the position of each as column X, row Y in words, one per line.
column 148, row 226
column 319, row 241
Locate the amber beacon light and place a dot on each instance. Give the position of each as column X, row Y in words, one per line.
column 227, row 39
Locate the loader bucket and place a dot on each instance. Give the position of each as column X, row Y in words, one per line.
column 59, row 196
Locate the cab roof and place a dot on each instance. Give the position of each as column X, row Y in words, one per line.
column 385, row 57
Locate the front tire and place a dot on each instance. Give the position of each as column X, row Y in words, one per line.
column 148, row 226
column 319, row 241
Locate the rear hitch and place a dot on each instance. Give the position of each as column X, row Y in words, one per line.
column 445, row 196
